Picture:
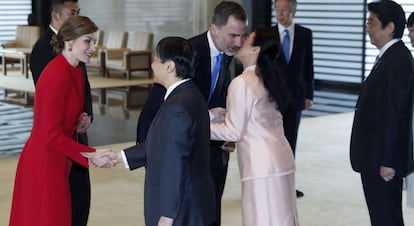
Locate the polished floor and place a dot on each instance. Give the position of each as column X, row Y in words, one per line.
column 333, row 192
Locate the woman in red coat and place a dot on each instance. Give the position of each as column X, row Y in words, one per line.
column 41, row 192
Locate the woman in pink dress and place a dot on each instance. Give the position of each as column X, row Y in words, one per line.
column 41, row 194
column 253, row 120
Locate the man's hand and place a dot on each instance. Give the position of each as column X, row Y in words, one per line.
column 217, row 115
column 387, row 173
column 165, row 221
column 100, row 158
column 308, row 103
column 228, row 146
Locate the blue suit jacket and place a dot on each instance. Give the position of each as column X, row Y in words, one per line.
column 176, row 155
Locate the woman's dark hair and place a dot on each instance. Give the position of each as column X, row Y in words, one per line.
column 180, row 51
column 73, row 28
column 267, row 68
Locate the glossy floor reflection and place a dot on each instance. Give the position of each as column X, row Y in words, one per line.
column 333, row 192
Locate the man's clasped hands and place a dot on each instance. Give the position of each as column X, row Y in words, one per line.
column 103, row 158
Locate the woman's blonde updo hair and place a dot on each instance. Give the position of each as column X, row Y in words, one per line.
column 73, row 28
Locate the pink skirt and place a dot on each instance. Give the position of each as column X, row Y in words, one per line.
column 270, row 201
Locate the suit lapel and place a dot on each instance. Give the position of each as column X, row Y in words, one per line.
column 169, row 99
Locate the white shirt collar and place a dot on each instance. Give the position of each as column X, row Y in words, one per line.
column 53, row 29
column 213, row 50
column 387, row 46
column 291, row 30
column 173, row 86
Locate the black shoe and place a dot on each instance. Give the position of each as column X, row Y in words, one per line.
column 299, row 194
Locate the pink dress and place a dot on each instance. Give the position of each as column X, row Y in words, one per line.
column 265, row 158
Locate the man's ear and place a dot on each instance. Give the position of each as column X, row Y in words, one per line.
column 170, row 66
column 55, row 16
column 391, row 28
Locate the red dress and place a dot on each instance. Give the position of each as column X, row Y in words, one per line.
column 41, row 191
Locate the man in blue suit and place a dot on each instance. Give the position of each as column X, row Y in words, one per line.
column 296, row 64
column 178, row 185
column 381, row 139
column 225, row 37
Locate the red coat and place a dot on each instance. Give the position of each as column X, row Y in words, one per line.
column 41, row 192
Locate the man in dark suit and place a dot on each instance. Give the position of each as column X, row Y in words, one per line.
column 225, row 37
column 381, row 139
column 410, row 27
column 42, row 54
column 297, row 66
column 178, row 185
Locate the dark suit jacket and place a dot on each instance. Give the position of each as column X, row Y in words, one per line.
column 176, row 155
column 152, row 105
column 42, row 54
column 299, row 71
column 203, row 72
column 202, row 79
column 382, row 128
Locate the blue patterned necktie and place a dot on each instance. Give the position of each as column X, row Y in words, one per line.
column 215, row 75
column 376, row 61
column 286, row 45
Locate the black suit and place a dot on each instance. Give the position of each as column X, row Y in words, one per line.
column 42, row 54
column 219, row 158
column 176, row 155
column 150, row 109
column 382, row 133
column 298, row 74
column 202, row 78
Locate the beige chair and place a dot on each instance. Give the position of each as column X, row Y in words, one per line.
column 115, row 39
column 19, row 50
column 137, row 57
column 26, row 37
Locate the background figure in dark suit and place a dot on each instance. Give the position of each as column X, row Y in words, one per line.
column 297, row 66
column 409, row 179
column 150, row 109
column 42, row 54
column 410, row 27
column 381, row 139
column 225, row 36
column 178, row 185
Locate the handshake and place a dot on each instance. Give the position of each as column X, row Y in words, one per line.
column 103, row 158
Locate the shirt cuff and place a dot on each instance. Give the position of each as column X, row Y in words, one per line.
column 124, row 159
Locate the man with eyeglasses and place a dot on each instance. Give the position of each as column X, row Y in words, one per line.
column 42, row 54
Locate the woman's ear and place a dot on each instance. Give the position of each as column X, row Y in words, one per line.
column 255, row 50
column 69, row 45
